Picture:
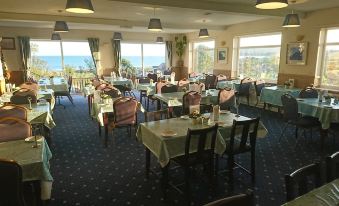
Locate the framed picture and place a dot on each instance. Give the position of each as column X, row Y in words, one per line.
column 297, row 53
column 222, row 55
column 8, row 43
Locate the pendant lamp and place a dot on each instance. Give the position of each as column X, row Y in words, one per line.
column 79, row 6
column 203, row 33
column 117, row 36
column 271, row 4
column 291, row 20
column 61, row 26
column 159, row 40
column 154, row 24
column 56, row 36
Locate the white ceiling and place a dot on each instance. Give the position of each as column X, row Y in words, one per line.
column 177, row 16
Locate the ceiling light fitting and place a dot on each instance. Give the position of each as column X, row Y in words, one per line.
column 291, row 20
column 203, row 33
column 56, row 36
column 61, row 26
column 159, row 40
column 79, row 6
column 271, row 4
column 154, row 24
column 117, row 36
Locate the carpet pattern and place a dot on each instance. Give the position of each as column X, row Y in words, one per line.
column 86, row 173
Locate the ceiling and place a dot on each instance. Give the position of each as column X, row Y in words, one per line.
column 177, row 16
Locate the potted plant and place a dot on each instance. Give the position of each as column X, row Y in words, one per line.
column 180, row 45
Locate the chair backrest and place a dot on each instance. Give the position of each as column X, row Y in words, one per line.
column 14, row 129
column 167, row 71
column 70, row 82
column 183, row 85
column 221, row 77
column 259, row 85
column 190, row 99
column 101, row 86
column 158, row 86
column 197, row 87
column 144, row 80
column 226, row 98
column 30, row 85
column 246, row 199
column 11, row 187
column 248, row 134
column 332, row 167
column 169, row 88
column 290, row 107
column 211, row 81
column 113, row 92
column 125, row 110
column 200, row 137
column 300, row 179
column 156, row 115
column 154, row 77
column 193, row 74
column 21, row 96
column 96, row 82
column 245, row 85
column 308, row 93
column 15, row 111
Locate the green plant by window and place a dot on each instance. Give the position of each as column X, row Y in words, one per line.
column 180, row 45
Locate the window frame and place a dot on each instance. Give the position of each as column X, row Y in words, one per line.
column 192, row 56
column 236, row 52
column 142, row 51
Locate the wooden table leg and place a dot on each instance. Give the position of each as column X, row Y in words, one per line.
column 148, row 161
column 164, row 180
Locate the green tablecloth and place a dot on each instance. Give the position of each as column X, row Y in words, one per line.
column 233, row 84
column 165, row 148
column 325, row 195
column 88, row 90
column 40, row 114
column 272, row 95
column 119, row 81
column 174, row 99
column 326, row 113
column 57, row 84
column 149, row 88
column 33, row 161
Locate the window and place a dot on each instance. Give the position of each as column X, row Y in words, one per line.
column 203, row 56
column 328, row 59
column 141, row 58
column 58, row 58
column 258, row 56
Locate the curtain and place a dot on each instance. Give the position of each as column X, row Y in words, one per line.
column 25, row 53
column 94, row 47
column 169, row 54
column 117, row 56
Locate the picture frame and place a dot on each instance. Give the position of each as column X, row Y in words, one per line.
column 297, row 53
column 8, row 43
column 222, row 55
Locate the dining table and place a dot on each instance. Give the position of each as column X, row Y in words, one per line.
column 327, row 195
column 40, row 114
column 164, row 148
column 119, row 81
column 34, row 161
column 57, row 84
column 233, row 84
column 272, row 95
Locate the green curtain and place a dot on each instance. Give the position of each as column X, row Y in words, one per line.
column 94, row 47
column 117, row 56
column 25, row 52
column 169, row 54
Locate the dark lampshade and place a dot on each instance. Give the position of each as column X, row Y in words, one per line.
column 60, row 26
column 159, row 40
column 117, row 36
column 291, row 20
column 154, row 25
column 55, row 36
column 271, row 4
column 79, row 6
column 203, row 33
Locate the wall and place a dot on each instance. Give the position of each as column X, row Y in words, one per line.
column 310, row 28
column 12, row 57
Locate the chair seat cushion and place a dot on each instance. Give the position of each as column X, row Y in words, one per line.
column 308, row 121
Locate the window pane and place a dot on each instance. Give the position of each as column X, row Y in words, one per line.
column 332, row 36
column 154, row 57
column 77, row 58
column 45, row 57
column 203, row 56
column 131, row 58
column 331, row 66
column 261, row 40
column 260, row 63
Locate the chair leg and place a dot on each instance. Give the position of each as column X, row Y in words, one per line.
column 296, row 132
column 253, row 165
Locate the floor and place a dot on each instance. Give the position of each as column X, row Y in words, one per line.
column 87, row 173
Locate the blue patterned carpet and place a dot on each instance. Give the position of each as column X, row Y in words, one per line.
column 86, row 173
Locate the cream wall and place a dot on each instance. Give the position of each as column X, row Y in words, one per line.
column 310, row 28
column 12, row 57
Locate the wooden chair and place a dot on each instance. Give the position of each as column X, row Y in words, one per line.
column 191, row 98
column 221, row 78
column 308, row 93
column 11, row 186
column 202, row 156
column 291, row 116
column 14, row 129
column 299, row 179
column 183, row 85
column 169, row 88
column 246, row 199
column 112, row 92
column 259, row 85
column 332, row 167
column 244, row 89
column 211, row 81
column 21, row 96
column 246, row 144
column 143, row 93
column 226, row 99
column 154, row 77
column 12, row 110
column 30, row 85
